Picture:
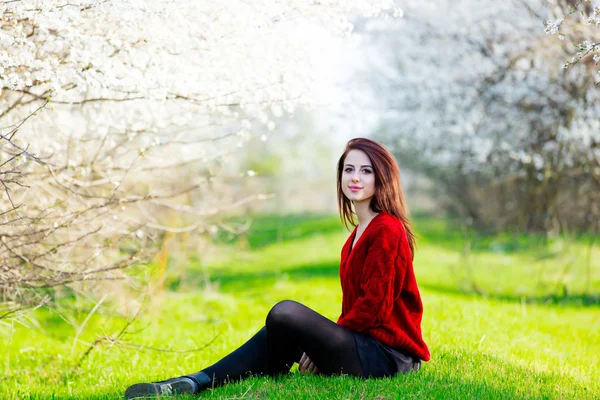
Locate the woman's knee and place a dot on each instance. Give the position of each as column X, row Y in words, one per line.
column 282, row 313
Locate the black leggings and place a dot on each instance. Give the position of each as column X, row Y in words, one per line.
column 290, row 329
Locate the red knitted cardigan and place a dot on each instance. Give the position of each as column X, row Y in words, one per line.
column 380, row 297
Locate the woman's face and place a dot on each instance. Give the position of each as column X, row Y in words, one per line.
column 358, row 177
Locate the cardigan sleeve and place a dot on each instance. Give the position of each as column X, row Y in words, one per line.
column 376, row 297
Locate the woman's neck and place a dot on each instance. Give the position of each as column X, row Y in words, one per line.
column 364, row 212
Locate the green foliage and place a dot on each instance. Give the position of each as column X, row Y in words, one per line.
column 271, row 229
column 503, row 337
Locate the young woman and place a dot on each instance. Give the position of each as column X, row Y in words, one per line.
column 378, row 333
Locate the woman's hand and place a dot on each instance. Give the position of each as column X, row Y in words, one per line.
column 306, row 365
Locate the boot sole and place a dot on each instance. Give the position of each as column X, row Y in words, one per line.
column 157, row 390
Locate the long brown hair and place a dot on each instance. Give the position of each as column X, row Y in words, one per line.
column 388, row 195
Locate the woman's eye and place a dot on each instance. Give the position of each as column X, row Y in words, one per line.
column 348, row 170
column 367, row 171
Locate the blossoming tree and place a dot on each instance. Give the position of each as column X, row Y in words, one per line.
column 576, row 22
column 115, row 115
column 477, row 101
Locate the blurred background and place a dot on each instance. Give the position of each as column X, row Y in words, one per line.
column 153, row 151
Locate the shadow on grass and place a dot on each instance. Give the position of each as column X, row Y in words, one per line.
column 582, row 300
column 229, row 280
column 448, row 233
column 270, row 229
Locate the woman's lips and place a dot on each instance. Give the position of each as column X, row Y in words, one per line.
column 355, row 189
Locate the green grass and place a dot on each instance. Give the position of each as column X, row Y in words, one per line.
column 514, row 317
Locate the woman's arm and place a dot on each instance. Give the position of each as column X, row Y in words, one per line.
column 384, row 266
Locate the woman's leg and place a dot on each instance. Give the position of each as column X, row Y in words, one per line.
column 291, row 328
column 331, row 347
column 247, row 360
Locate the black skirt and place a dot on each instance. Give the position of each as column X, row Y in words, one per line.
column 379, row 360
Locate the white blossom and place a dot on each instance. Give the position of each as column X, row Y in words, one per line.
column 155, row 44
column 488, row 97
column 553, row 27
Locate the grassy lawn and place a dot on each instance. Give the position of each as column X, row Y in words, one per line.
column 505, row 317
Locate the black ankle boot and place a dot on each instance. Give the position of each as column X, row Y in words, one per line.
column 171, row 387
column 202, row 380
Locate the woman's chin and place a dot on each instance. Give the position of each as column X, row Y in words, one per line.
column 358, row 199
column 352, row 197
